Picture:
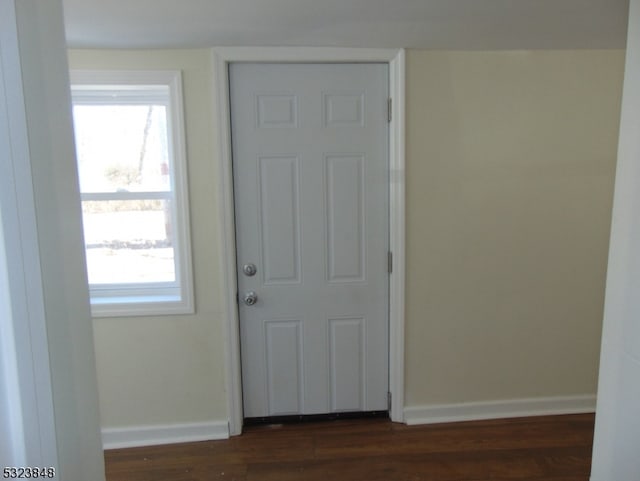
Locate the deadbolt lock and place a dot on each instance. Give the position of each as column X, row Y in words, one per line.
column 249, row 270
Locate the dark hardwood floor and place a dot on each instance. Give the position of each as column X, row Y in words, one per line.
column 553, row 448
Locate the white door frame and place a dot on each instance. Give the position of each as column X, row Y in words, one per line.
column 395, row 58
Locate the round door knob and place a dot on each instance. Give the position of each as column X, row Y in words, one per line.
column 250, row 298
column 249, row 270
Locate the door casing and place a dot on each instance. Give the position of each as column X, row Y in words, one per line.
column 395, row 58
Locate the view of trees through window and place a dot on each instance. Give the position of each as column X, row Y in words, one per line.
column 125, row 183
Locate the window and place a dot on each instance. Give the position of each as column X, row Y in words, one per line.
column 132, row 171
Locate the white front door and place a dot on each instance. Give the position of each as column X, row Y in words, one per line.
column 310, row 163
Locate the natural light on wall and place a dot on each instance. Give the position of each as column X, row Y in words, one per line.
column 131, row 165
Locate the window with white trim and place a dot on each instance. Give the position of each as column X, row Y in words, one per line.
column 132, row 170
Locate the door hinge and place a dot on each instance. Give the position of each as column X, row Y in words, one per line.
column 390, row 262
column 389, row 400
column 389, row 109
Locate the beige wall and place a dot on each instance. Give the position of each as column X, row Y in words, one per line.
column 510, row 167
column 170, row 369
column 510, row 164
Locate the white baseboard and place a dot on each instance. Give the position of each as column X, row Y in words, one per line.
column 475, row 411
column 135, row 436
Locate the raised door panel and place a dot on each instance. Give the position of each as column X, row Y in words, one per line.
column 280, row 219
column 284, row 354
column 342, row 109
column 347, row 364
column 276, row 111
column 345, row 218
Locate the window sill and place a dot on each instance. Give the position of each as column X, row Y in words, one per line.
column 135, row 306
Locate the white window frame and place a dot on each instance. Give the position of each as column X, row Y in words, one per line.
column 124, row 300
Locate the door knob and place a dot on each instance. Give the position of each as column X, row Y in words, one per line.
column 249, row 270
column 250, row 298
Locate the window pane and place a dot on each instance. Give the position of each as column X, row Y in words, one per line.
column 122, row 148
column 128, row 241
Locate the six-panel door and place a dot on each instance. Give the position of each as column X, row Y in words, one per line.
column 310, row 160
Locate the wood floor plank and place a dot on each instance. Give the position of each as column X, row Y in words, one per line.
column 452, row 440
column 552, row 448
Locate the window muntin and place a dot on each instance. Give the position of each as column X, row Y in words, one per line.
column 131, row 170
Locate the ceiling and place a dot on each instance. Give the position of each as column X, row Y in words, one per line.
column 432, row 24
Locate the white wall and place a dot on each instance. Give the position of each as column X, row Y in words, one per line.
column 11, row 429
column 49, row 309
column 26, row 378
column 12, row 445
column 617, row 435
